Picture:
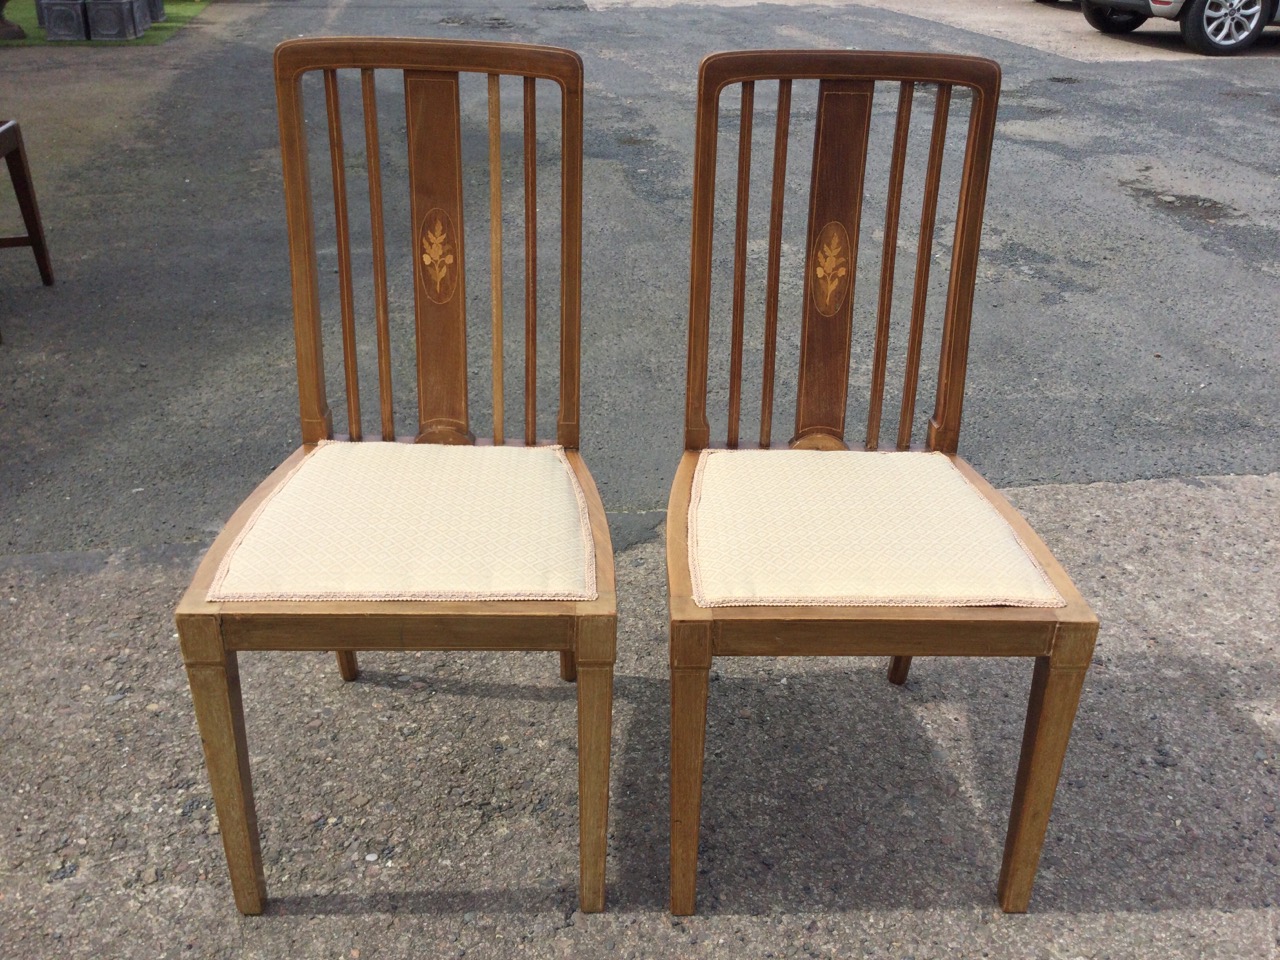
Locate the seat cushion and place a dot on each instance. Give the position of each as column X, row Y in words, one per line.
column 851, row 528
column 393, row 521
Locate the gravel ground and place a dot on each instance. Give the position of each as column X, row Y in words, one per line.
column 429, row 808
column 1122, row 383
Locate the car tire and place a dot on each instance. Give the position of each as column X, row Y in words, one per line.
column 1107, row 20
column 1218, row 27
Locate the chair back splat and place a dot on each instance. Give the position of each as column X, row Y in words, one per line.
column 434, row 74
column 850, row 86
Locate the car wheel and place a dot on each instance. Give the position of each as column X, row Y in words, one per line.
column 1107, row 20
column 1215, row 27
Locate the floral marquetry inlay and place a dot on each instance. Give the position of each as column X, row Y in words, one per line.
column 439, row 256
column 830, row 266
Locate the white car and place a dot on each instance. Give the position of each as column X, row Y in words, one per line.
column 1211, row 27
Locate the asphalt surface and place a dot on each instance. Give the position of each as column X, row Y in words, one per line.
column 1122, row 382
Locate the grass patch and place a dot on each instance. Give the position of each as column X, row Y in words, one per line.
column 178, row 13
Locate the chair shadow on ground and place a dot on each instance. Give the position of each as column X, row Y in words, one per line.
column 848, row 802
column 835, row 791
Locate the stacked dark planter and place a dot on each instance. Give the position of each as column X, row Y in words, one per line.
column 98, row 19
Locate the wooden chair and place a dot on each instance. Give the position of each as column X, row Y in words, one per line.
column 16, row 157
column 753, row 537
column 354, row 545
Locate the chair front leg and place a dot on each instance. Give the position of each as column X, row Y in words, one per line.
column 215, row 692
column 899, row 667
column 1055, row 694
column 596, row 645
column 690, row 669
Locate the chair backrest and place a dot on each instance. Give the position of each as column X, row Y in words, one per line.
column 846, row 85
column 433, row 124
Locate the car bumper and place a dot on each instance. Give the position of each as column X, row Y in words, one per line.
column 1167, row 9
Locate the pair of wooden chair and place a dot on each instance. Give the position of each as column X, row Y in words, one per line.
column 796, row 548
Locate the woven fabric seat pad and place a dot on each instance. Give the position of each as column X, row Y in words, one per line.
column 852, row 528
column 393, row 521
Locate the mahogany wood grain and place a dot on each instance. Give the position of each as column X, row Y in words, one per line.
column 440, row 290
column 581, row 633
column 1058, row 640
column 835, row 215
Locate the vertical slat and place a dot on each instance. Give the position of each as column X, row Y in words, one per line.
column 740, row 260
column 530, row 262
column 495, row 247
column 924, row 256
column 343, row 228
column 944, row 425
column 892, row 212
column 313, row 404
column 697, row 431
column 835, row 219
column 775, row 260
column 432, row 114
column 381, row 311
column 567, row 427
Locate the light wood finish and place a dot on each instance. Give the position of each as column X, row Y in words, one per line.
column 495, row 246
column 781, row 130
column 342, row 227
column 531, row 263
column 15, row 155
column 1059, row 640
column 373, row 163
column 924, row 257
column 740, row 261
column 582, row 633
column 215, row 692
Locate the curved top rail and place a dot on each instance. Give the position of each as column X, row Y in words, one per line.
column 298, row 56
column 736, row 66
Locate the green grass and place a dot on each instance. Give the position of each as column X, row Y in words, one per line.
column 178, row 14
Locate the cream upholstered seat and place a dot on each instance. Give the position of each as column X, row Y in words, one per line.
column 394, row 521
column 852, row 528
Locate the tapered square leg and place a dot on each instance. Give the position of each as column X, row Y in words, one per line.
column 568, row 668
column 215, row 692
column 1055, row 694
column 348, row 665
column 899, row 667
column 690, row 669
column 595, row 656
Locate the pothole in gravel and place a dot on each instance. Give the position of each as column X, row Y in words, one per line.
column 487, row 23
column 1182, row 204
